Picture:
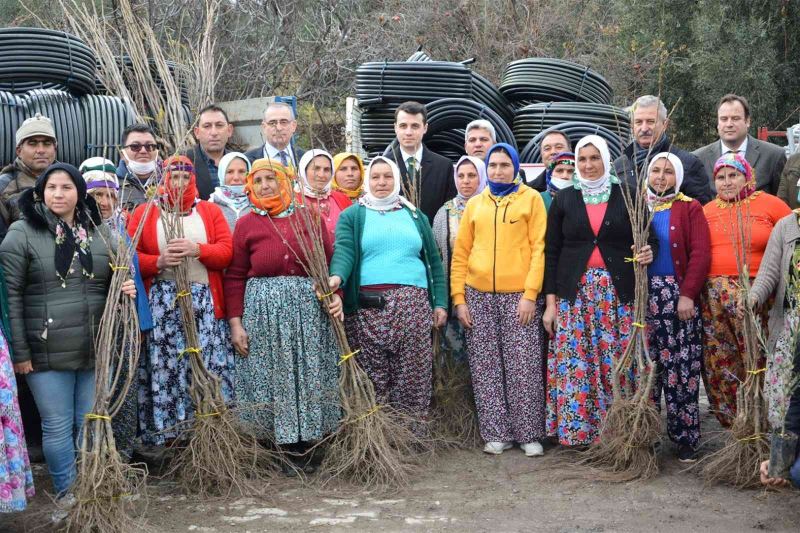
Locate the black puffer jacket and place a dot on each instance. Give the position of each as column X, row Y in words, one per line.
column 52, row 326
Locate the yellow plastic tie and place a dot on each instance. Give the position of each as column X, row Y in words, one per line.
column 756, row 372
column 757, row 436
column 195, row 351
column 323, row 296
column 638, row 325
column 344, row 358
column 93, row 416
column 114, row 268
column 368, row 413
column 215, row 413
column 631, row 260
column 181, row 294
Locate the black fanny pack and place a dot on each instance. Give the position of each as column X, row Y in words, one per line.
column 371, row 300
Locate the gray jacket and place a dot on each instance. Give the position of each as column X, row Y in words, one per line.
column 773, row 274
column 52, row 326
column 767, row 160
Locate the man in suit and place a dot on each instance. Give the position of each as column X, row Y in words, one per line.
column 425, row 174
column 733, row 121
column 277, row 128
column 212, row 132
column 649, row 124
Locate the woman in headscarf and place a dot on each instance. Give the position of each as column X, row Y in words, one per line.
column 348, row 175
column 677, row 275
column 470, row 177
column 589, row 287
column 16, row 478
column 737, row 198
column 164, row 377
column 558, row 175
column 779, row 274
column 56, row 264
column 386, row 260
column 230, row 195
column 504, row 225
column 316, row 174
column 102, row 184
column 285, row 345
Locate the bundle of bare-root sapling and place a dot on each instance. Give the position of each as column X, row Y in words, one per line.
column 737, row 463
column 214, row 456
column 107, row 489
column 625, row 449
column 375, row 446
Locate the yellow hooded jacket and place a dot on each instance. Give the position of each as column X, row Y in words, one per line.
column 500, row 245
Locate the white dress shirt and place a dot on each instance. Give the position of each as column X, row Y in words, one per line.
column 724, row 149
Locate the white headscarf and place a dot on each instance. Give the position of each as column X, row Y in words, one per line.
column 480, row 167
column 652, row 197
column 603, row 183
column 301, row 171
column 394, row 200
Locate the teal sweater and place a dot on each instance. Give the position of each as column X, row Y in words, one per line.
column 346, row 261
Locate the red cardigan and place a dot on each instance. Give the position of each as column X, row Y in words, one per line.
column 690, row 244
column 215, row 256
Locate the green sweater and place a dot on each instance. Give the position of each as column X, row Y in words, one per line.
column 346, row 261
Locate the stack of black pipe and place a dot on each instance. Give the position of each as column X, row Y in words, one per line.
column 55, row 74
column 453, row 94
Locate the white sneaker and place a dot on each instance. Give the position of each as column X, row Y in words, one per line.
column 532, row 449
column 496, row 448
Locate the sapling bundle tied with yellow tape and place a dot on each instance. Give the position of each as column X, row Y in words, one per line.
column 746, row 445
column 375, row 446
column 109, row 491
column 625, row 449
column 214, row 456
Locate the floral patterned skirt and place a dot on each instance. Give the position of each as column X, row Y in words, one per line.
column 164, row 370
column 16, row 479
column 591, row 333
column 780, row 366
column 288, row 385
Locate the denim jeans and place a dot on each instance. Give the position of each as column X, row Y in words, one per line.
column 63, row 398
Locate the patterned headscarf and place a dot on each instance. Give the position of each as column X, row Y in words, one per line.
column 338, row 159
column 231, row 195
column 561, row 158
column 276, row 204
column 172, row 196
column 739, row 163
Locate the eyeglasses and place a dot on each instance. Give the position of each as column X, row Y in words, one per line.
column 275, row 123
column 136, row 147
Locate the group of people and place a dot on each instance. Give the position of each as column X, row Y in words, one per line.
column 530, row 282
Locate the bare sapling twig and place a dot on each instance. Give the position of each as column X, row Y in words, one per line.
column 625, row 449
column 214, row 455
column 110, row 493
column 375, row 446
column 746, row 443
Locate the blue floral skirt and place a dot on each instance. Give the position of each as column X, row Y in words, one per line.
column 288, row 385
column 165, row 375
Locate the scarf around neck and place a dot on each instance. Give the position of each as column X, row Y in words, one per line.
column 340, row 158
column 305, row 161
column 277, row 205
column 660, row 201
column 394, row 200
column 504, row 189
column 480, row 167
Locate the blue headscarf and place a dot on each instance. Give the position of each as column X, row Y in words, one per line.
column 504, row 189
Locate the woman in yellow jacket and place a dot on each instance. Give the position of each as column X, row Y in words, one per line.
column 496, row 278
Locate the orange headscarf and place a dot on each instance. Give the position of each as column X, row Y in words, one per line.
column 278, row 203
column 338, row 159
column 189, row 194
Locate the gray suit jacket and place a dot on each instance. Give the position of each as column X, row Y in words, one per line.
column 767, row 160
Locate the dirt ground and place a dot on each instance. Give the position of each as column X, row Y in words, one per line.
column 470, row 491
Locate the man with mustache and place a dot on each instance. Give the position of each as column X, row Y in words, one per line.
column 649, row 124
column 733, row 121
